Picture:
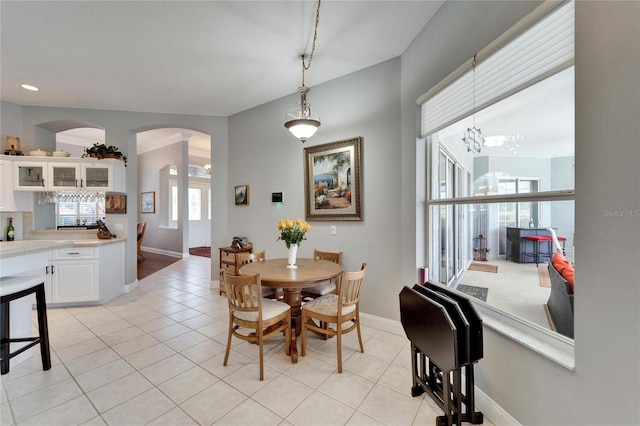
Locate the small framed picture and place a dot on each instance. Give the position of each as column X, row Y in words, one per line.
column 116, row 204
column 148, row 202
column 242, row 195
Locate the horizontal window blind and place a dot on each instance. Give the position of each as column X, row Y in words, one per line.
column 538, row 46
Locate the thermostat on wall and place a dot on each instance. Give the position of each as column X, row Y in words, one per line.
column 277, row 197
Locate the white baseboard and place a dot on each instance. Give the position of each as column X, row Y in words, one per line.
column 492, row 411
column 128, row 288
column 165, row 252
column 383, row 324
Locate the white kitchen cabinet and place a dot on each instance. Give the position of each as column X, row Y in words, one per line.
column 65, row 174
column 30, row 176
column 85, row 274
column 73, row 275
column 6, row 189
column 97, row 177
column 11, row 200
column 87, row 176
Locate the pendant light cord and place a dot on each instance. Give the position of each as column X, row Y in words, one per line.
column 473, row 64
column 313, row 46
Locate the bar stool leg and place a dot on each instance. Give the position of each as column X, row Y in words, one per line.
column 43, row 327
column 4, row 337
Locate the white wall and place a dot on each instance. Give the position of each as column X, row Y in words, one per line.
column 265, row 156
column 604, row 388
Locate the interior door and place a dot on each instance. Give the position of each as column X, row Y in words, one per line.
column 199, row 215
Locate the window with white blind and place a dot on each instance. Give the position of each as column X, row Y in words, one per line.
column 539, row 46
column 523, row 176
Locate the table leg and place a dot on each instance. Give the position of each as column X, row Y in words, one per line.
column 293, row 297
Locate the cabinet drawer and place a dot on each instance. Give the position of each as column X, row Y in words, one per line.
column 71, row 253
column 228, row 257
column 229, row 268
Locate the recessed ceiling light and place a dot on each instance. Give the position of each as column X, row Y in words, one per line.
column 29, row 87
column 493, row 141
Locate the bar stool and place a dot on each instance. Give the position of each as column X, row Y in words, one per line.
column 12, row 288
column 563, row 240
column 535, row 241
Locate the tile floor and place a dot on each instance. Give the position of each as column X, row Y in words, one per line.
column 154, row 356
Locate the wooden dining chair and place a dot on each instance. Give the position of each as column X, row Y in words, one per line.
column 336, row 310
column 140, row 229
column 330, row 287
column 244, row 258
column 253, row 318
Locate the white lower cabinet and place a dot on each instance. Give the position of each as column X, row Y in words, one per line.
column 73, row 275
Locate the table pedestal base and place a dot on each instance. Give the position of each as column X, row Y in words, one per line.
column 293, row 298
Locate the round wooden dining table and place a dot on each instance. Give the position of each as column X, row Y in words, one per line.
column 309, row 273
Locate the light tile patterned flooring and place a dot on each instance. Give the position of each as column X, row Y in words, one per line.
column 154, row 356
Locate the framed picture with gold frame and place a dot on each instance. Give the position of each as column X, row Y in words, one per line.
column 333, row 180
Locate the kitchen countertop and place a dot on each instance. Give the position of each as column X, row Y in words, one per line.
column 17, row 248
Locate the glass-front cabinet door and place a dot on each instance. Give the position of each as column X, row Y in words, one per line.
column 97, row 177
column 64, row 176
column 30, row 176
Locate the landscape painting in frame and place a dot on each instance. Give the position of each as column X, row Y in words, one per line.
column 333, row 180
column 148, row 202
column 242, row 195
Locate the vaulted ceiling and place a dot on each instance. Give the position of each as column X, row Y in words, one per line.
column 191, row 57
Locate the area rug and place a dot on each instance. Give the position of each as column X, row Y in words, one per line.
column 543, row 271
column 200, row 251
column 483, row 267
column 473, row 291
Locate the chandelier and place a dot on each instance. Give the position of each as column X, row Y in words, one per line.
column 301, row 121
column 473, row 139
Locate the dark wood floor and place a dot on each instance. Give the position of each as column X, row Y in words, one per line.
column 152, row 263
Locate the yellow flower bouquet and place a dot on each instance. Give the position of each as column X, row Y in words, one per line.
column 293, row 231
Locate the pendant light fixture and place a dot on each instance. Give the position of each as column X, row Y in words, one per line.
column 473, row 139
column 301, row 121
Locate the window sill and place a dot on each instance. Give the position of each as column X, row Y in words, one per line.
column 553, row 346
column 173, row 228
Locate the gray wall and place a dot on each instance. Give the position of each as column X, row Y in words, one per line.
column 265, row 156
column 10, row 123
column 157, row 235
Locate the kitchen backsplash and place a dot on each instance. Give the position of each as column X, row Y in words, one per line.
column 22, row 222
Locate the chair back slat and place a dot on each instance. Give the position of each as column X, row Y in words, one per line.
column 243, row 292
column 349, row 287
column 328, row 255
column 245, row 258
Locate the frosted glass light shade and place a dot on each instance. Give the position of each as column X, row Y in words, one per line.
column 302, row 129
column 301, row 121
